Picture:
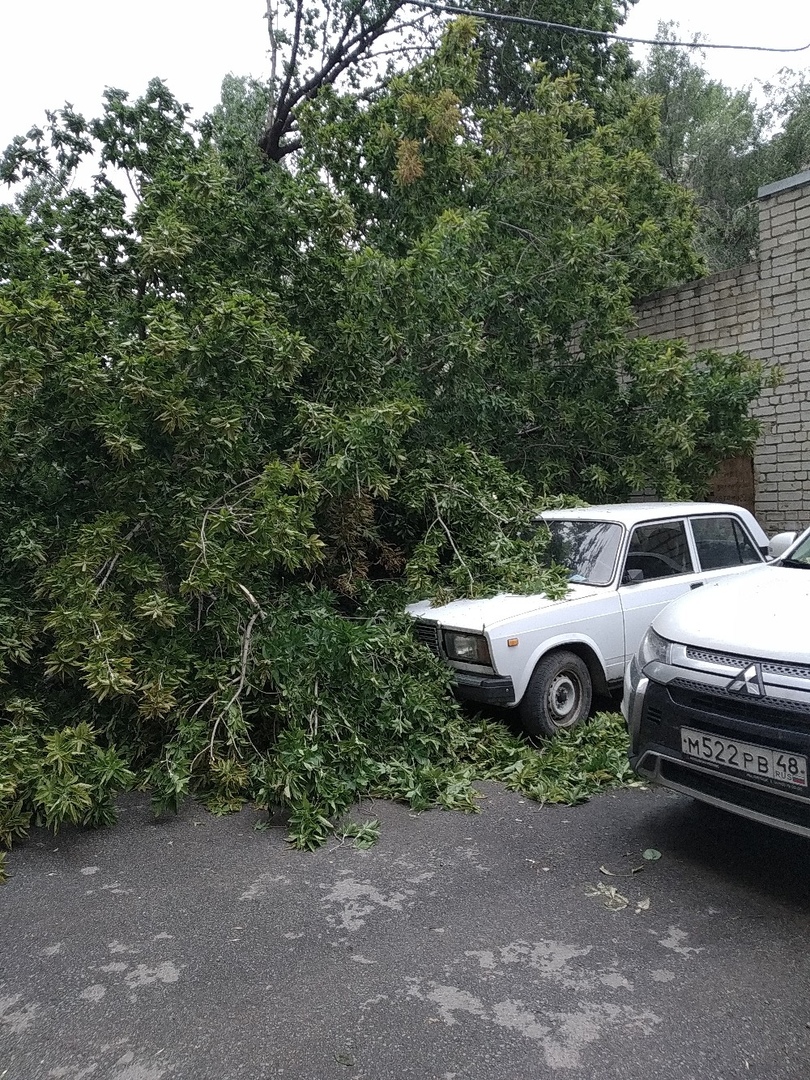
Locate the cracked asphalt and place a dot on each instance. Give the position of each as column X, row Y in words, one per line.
column 522, row 942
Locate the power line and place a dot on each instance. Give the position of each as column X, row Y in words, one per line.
column 451, row 9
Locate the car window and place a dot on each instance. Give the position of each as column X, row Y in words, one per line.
column 588, row 549
column 800, row 556
column 721, row 542
column 657, row 550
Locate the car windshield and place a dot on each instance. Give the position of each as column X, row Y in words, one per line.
column 587, row 549
column 800, row 558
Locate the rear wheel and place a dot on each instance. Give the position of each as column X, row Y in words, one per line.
column 558, row 696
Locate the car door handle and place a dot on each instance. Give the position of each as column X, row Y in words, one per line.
column 695, row 584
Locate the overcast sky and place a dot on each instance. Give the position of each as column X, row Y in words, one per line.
column 773, row 23
column 55, row 51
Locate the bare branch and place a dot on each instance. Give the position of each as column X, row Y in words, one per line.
column 110, row 565
column 351, row 16
column 251, row 598
column 399, row 50
column 352, row 46
column 290, row 147
column 285, row 86
column 449, row 535
column 271, row 33
column 239, row 686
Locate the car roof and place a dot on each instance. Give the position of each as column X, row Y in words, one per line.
column 632, row 513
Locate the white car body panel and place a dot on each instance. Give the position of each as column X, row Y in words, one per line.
column 594, row 621
column 763, row 615
column 496, row 611
column 641, row 603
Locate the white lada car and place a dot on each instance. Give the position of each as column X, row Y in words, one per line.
column 546, row 658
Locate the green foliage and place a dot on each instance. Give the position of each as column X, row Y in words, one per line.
column 570, row 769
column 50, row 775
column 364, row 834
column 721, row 145
column 787, row 115
column 246, row 413
column 329, row 43
column 510, row 52
column 709, row 135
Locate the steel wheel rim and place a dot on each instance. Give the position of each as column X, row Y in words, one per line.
column 563, row 699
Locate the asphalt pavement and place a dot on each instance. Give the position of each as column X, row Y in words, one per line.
column 522, row 942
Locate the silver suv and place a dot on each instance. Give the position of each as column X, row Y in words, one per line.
column 717, row 698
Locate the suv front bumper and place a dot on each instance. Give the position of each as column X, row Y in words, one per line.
column 661, row 699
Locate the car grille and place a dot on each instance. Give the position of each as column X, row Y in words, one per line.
column 772, row 667
column 428, row 634
column 653, row 714
column 768, row 710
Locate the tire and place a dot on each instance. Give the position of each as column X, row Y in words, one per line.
column 558, row 696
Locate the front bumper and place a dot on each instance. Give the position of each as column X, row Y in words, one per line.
column 660, row 700
column 485, row 689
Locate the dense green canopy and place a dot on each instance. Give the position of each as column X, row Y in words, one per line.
column 320, row 44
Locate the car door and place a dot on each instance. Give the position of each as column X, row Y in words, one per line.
column 659, row 566
column 722, row 545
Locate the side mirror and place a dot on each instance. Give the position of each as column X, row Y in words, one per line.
column 632, row 577
column 780, row 543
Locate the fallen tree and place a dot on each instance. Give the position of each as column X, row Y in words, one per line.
column 247, row 411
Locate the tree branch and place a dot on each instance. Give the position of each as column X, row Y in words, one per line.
column 349, row 49
column 245, row 657
column 285, row 86
column 449, row 535
column 109, row 566
column 271, row 33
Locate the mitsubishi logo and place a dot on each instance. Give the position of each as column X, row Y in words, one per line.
column 749, row 681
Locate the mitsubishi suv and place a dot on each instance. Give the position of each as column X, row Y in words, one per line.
column 717, row 698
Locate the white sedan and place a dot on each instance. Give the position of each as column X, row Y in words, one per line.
column 546, row 658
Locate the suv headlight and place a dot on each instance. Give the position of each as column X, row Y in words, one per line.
column 654, row 647
column 468, row 648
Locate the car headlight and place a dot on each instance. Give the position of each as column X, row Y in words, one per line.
column 654, row 647
column 469, row 648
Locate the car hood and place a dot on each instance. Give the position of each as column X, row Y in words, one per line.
column 480, row 615
column 761, row 613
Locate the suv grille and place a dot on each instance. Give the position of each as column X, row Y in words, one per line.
column 428, row 634
column 768, row 710
column 796, row 671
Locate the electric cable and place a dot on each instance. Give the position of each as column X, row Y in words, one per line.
column 452, row 9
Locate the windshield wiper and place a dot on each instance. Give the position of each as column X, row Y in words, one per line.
column 795, row 564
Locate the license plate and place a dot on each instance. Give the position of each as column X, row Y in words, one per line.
column 745, row 757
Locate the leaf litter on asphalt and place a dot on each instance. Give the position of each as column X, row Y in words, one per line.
column 610, row 896
column 613, row 900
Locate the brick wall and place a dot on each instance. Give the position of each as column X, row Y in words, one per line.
column 716, row 312
column 761, row 308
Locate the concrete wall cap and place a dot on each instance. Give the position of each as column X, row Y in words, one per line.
column 784, row 185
